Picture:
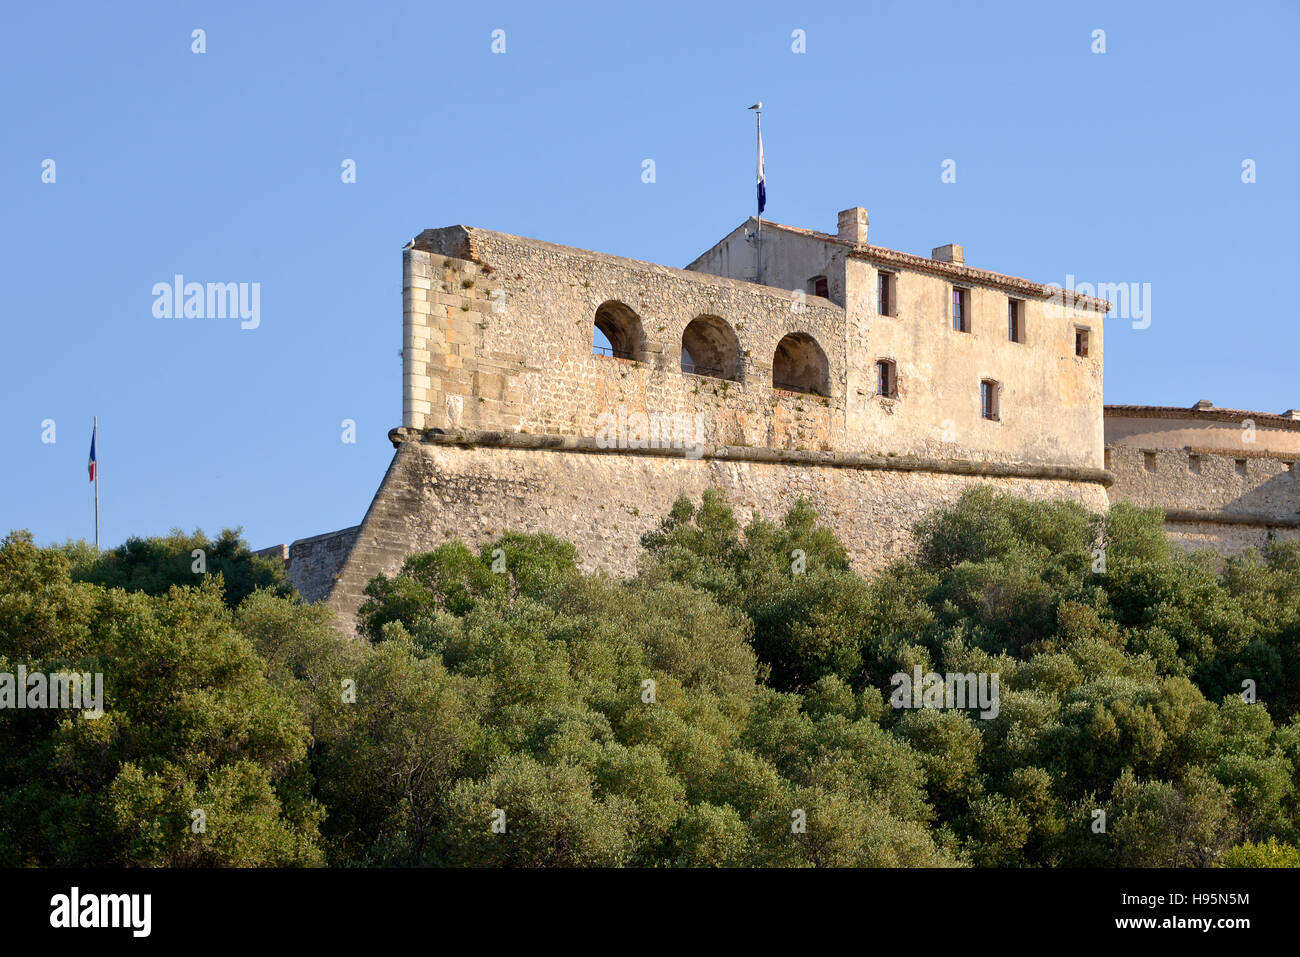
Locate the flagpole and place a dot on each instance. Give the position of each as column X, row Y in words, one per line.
column 758, row 243
column 95, row 433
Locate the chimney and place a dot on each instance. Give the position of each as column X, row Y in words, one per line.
column 952, row 253
column 1204, row 404
column 853, row 226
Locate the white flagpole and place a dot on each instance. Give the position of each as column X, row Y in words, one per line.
column 95, row 434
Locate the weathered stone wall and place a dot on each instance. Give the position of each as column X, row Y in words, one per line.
column 313, row 563
column 436, row 491
column 506, row 343
column 1227, row 502
column 1254, row 483
column 1225, row 538
column 1050, row 399
column 498, row 335
column 790, row 260
column 1218, row 429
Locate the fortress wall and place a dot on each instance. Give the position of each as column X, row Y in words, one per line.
column 314, row 562
column 603, row 502
column 1223, row 538
column 1224, row 501
column 505, row 343
column 1214, row 429
column 499, row 336
column 1258, row 484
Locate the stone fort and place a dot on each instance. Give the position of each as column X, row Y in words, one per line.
column 553, row 389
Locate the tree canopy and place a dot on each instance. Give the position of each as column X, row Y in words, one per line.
column 728, row 705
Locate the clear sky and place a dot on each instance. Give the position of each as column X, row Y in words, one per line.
column 226, row 166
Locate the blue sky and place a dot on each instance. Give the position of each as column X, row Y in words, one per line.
column 225, row 167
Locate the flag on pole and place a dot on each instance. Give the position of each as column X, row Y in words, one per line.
column 91, row 466
column 762, row 176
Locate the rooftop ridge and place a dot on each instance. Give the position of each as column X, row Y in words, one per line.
column 953, row 270
column 1273, row 419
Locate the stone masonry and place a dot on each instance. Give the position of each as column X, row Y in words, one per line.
column 553, row 389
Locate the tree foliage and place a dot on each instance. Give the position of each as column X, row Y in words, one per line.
column 729, row 705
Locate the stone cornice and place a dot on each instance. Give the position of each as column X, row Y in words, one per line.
column 1215, row 517
column 1270, row 419
column 736, row 453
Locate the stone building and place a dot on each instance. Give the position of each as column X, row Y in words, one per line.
column 546, row 388
column 1225, row 478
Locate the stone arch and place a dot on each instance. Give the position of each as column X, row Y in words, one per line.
column 800, row 365
column 710, row 347
column 621, row 328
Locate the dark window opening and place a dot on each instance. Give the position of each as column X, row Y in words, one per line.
column 960, row 309
column 989, row 400
column 1016, row 320
column 885, row 293
column 886, row 379
column 818, row 286
column 1081, row 343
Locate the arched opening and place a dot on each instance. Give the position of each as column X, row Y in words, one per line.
column 617, row 332
column 800, row 365
column 710, row 347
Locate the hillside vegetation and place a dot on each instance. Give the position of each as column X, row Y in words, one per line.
column 728, row 706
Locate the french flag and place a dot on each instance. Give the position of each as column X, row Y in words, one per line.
column 762, row 176
column 91, row 466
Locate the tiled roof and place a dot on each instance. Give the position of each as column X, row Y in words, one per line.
column 893, row 257
column 1210, row 415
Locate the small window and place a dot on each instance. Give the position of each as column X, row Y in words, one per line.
column 1241, row 466
column 1149, row 460
column 1081, row 342
column 1290, row 466
column 1016, row 320
column 886, row 379
column 1194, row 464
column 885, row 293
column 1106, row 458
column 960, row 309
column 818, row 286
column 989, row 399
